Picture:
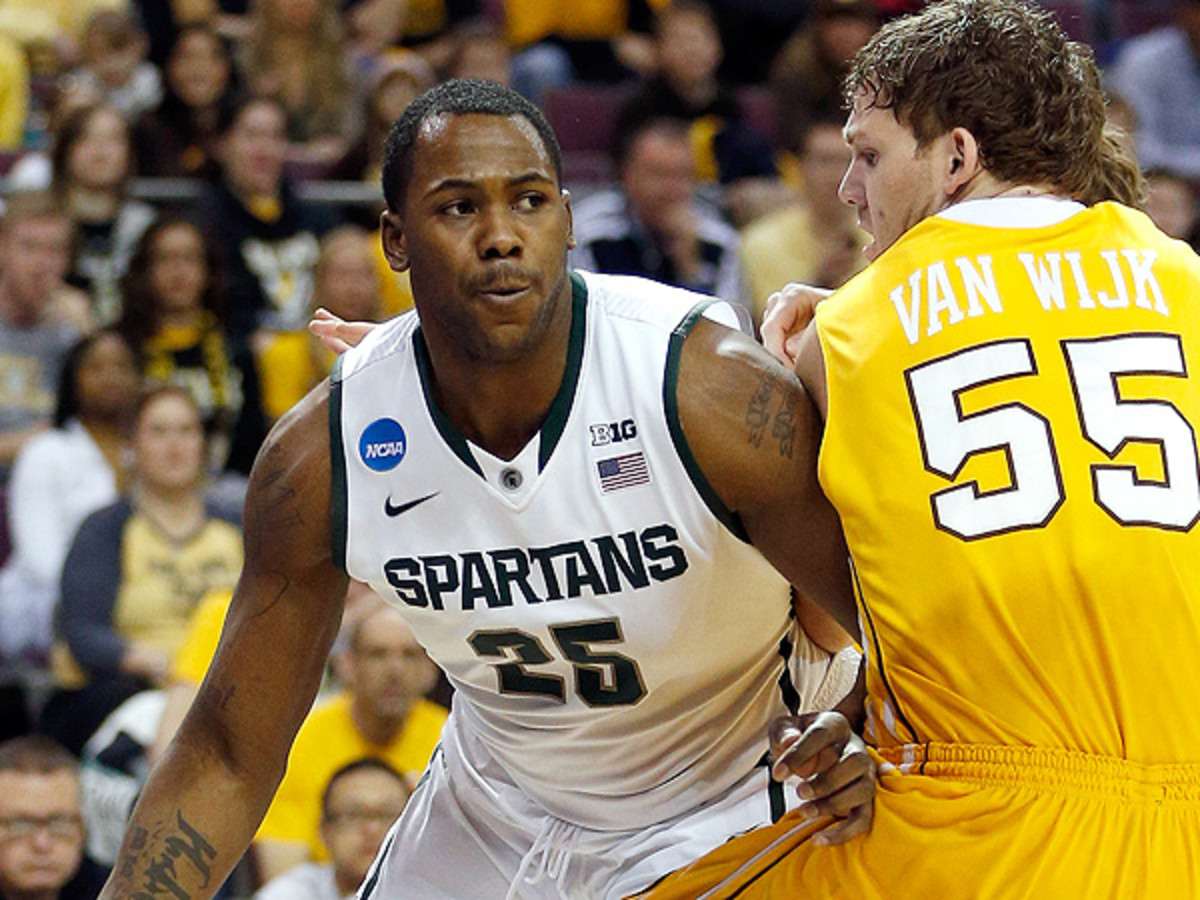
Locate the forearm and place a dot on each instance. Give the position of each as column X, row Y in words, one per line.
column 206, row 797
column 194, row 820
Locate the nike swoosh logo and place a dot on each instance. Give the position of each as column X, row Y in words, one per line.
column 405, row 507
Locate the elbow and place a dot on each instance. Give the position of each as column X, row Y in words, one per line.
column 211, row 732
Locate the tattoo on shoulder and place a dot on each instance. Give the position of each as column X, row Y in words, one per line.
column 772, row 410
column 217, row 696
column 181, row 848
column 278, row 503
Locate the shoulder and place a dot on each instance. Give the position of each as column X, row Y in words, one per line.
column 773, row 228
column 388, row 339
column 637, row 299
column 1144, row 55
column 286, row 517
column 107, row 520
column 747, row 419
column 54, row 445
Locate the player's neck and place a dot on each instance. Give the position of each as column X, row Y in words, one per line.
column 501, row 406
column 986, row 186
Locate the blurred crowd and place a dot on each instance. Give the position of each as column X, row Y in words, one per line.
column 185, row 181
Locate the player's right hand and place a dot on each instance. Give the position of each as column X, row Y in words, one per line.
column 787, row 314
column 837, row 775
column 336, row 333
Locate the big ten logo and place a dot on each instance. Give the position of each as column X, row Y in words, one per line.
column 613, row 432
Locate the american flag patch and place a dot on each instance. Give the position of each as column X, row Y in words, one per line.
column 618, row 472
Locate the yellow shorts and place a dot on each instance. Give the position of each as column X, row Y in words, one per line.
column 979, row 822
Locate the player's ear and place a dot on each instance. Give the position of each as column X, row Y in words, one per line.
column 395, row 245
column 566, row 196
column 963, row 160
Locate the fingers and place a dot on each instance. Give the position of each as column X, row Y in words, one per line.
column 802, row 745
column 838, row 775
column 856, row 823
column 841, row 786
column 336, row 333
column 787, row 314
column 776, row 327
column 327, row 330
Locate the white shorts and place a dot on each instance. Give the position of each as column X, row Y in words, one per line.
column 468, row 833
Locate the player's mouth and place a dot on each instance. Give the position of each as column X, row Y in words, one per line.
column 504, row 292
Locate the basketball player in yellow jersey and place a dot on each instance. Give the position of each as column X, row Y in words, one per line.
column 1011, row 392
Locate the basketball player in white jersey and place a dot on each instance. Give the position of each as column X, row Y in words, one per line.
column 571, row 485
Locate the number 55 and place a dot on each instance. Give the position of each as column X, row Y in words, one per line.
column 949, row 438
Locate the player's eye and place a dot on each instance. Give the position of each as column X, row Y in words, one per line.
column 458, row 208
column 531, row 201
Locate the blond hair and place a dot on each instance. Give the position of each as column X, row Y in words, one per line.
column 1005, row 71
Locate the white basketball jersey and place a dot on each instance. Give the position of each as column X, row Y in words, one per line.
column 612, row 641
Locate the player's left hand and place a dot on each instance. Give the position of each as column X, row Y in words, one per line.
column 837, row 774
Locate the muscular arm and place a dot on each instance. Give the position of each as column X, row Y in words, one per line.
column 755, row 433
column 206, row 796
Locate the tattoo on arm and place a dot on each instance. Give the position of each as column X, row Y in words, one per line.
column 183, row 847
column 764, row 413
column 784, row 427
column 278, row 504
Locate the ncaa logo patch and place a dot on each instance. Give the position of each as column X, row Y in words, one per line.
column 382, row 445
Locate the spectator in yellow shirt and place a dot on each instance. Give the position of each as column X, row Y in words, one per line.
column 382, row 713
column 589, row 40
column 347, row 282
column 14, row 94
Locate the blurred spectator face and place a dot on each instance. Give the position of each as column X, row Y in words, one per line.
column 689, row 47
column 360, row 808
column 386, row 669
column 107, row 379
column 841, row 36
column 347, row 280
column 41, row 832
column 393, row 96
column 824, row 160
column 485, row 57
column 114, row 61
column 293, row 16
column 178, row 268
column 1172, row 205
column 99, row 160
column 168, row 443
column 37, row 254
column 658, row 176
column 198, row 69
column 254, row 149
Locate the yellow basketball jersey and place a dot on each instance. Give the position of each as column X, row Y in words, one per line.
column 1011, row 444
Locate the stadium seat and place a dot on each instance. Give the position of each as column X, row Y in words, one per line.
column 584, row 117
column 1075, row 19
column 1133, row 17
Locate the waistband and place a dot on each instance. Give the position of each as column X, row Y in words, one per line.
column 1041, row 767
